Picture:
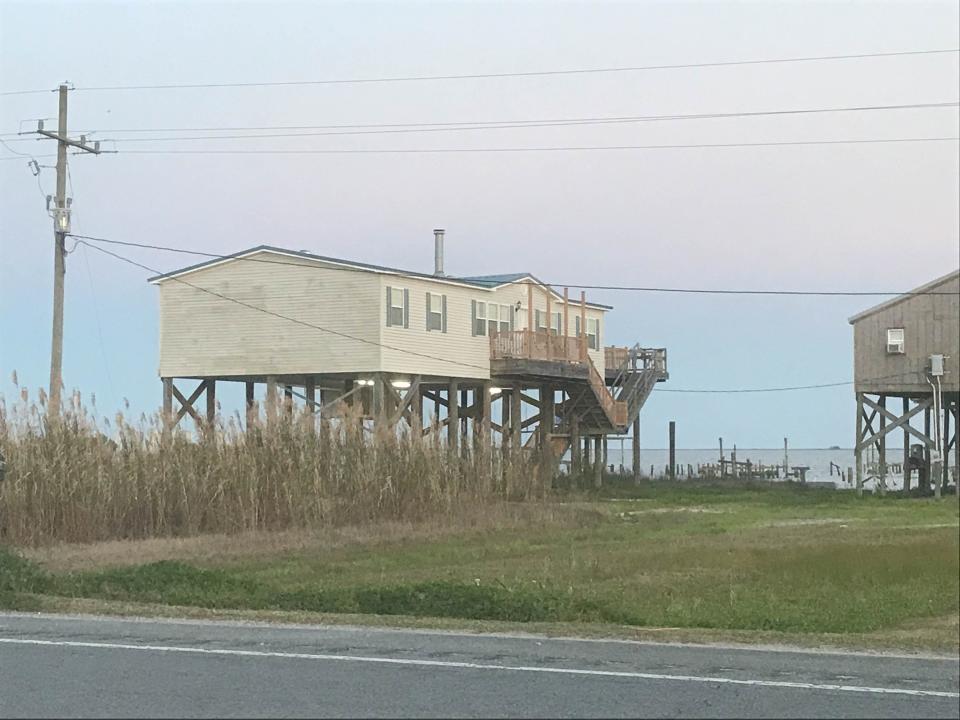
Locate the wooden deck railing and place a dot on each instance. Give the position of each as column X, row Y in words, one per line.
column 531, row 345
column 615, row 357
column 646, row 358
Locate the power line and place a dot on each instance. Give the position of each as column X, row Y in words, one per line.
column 556, row 148
column 783, row 389
column 757, row 390
column 479, row 76
column 433, row 357
column 217, row 256
column 392, row 128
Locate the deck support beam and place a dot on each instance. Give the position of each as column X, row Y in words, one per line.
column 453, row 415
column 597, row 461
column 636, row 448
column 516, row 416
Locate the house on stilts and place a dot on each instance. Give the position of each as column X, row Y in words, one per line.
column 502, row 359
column 908, row 349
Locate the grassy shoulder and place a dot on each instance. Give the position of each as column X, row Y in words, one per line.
column 767, row 564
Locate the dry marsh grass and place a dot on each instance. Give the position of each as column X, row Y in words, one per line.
column 80, row 480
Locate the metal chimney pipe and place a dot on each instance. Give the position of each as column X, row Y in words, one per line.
column 438, row 252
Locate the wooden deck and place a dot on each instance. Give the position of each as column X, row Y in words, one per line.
column 547, row 355
column 532, row 345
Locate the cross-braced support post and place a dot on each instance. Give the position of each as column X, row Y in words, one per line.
column 171, row 392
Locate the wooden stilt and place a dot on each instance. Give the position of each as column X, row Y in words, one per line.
column 516, row 416
column 486, row 410
column 167, row 403
column 464, row 420
column 926, row 452
column 673, row 449
column 271, row 399
column 636, row 448
column 547, row 415
column 882, row 450
column 944, row 479
column 249, row 403
column 858, row 448
column 416, row 411
column 310, row 391
column 211, row 393
column 453, row 415
column 597, row 462
column 906, row 450
column 576, row 454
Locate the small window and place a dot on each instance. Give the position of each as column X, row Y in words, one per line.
column 541, row 320
column 480, row 318
column 436, row 312
column 557, row 322
column 895, row 341
column 493, row 316
column 593, row 333
column 398, row 303
column 505, row 322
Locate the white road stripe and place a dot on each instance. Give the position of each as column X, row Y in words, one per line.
column 479, row 666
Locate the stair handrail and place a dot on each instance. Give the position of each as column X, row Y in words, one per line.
column 615, row 410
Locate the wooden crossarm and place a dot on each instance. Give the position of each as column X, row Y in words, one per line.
column 896, row 422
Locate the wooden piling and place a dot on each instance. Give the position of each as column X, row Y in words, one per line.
column 673, row 449
column 636, row 448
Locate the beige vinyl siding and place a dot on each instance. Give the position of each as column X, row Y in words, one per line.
column 456, row 353
column 931, row 325
column 204, row 335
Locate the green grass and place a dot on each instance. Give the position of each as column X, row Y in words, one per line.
column 785, row 559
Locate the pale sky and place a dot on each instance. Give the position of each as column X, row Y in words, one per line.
column 829, row 217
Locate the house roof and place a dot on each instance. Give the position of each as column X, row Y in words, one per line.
column 485, row 282
column 496, row 280
column 906, row 296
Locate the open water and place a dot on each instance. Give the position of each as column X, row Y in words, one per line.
column 818, row 461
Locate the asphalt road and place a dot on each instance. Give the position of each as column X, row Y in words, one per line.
column 81, row 666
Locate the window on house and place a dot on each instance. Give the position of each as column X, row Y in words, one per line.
column 398, row 307
column 540, row 320
column 895, row 341
column 557, row 322
column 506, row 318
column 436, row 312
column 480, row 317
column 593, row 333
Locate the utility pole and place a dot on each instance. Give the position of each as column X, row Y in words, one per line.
column 61, row 228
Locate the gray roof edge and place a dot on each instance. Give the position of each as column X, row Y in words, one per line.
column 473, row 281
column 905, row 296
column 360, row 266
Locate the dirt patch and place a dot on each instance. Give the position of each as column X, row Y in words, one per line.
column 809, row 521
column 246, row 546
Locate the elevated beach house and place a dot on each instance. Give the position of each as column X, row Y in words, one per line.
column 496, row 357
column 907, row 349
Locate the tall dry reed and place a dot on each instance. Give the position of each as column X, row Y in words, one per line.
column 83, row 480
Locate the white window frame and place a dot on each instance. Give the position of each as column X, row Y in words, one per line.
column 435, row 310
column 397, row 296
column 504, row 318
column 593, row 339
column 480, row 327
column 896, row 341
column 493, row 318
column 540, row 320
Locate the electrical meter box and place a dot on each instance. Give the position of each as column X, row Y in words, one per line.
column 936, row 365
